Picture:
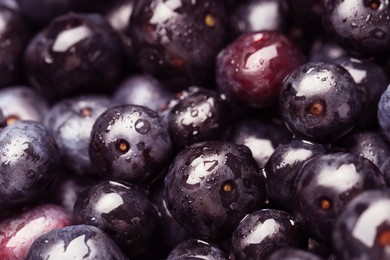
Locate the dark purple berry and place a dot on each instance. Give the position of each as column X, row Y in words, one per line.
column 320, row 102
column 130, row 143
column 211, row 186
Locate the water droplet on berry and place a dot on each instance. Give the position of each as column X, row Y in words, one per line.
column 142, row 126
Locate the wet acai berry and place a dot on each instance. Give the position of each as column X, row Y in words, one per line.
column 361, row 27
column 130, row 143
column 124, row 212
column 28, row 159
column 199, row 115
column 320, row 102
column 211, row 186
column 75, row 242
column 362, row 230
column 251, row 69
column 74, row 54
column 325, row 184
column 263, row 232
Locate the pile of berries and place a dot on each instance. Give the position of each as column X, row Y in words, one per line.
column 194, row 129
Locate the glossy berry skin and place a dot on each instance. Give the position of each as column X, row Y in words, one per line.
column 371, row 81
column 19, row 230
column 384, row 113
column 325, row 184
column 199, row 115
column 178, row 41
column 29, row 156
column 22, row 103
column 362, row 229
column 211, row 186
column 278, row 229
column 196, row 249
column 118, row 14
column 14, row 37
column 261, row 135
column 143, row 90
column 367, row 143
column 124, row 212
column 320, row 102
column 293, row 253
column 90, row 62
column 75, row 242
column 283, row 167
column 362, row 27
column 130, row 143
column 258, row 15
column 70, row 121
column 251, row 69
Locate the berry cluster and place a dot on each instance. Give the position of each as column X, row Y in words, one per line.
column 194, row 129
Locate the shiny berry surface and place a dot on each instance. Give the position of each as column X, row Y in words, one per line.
column 29, row 156
column 74, row 54
column 197, row 249
column 130, row 143
column 320, row 102
column 325, row 184
column 211, row 186
column 18, row 231
column 251, row 69
column 75, row 242
column 278, row 229
column 362, row 27
column 123, row 212
column 362, row 230
column 199, row 115
column 255, row 15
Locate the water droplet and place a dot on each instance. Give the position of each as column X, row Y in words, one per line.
column 142, row 126
column 194, row 113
